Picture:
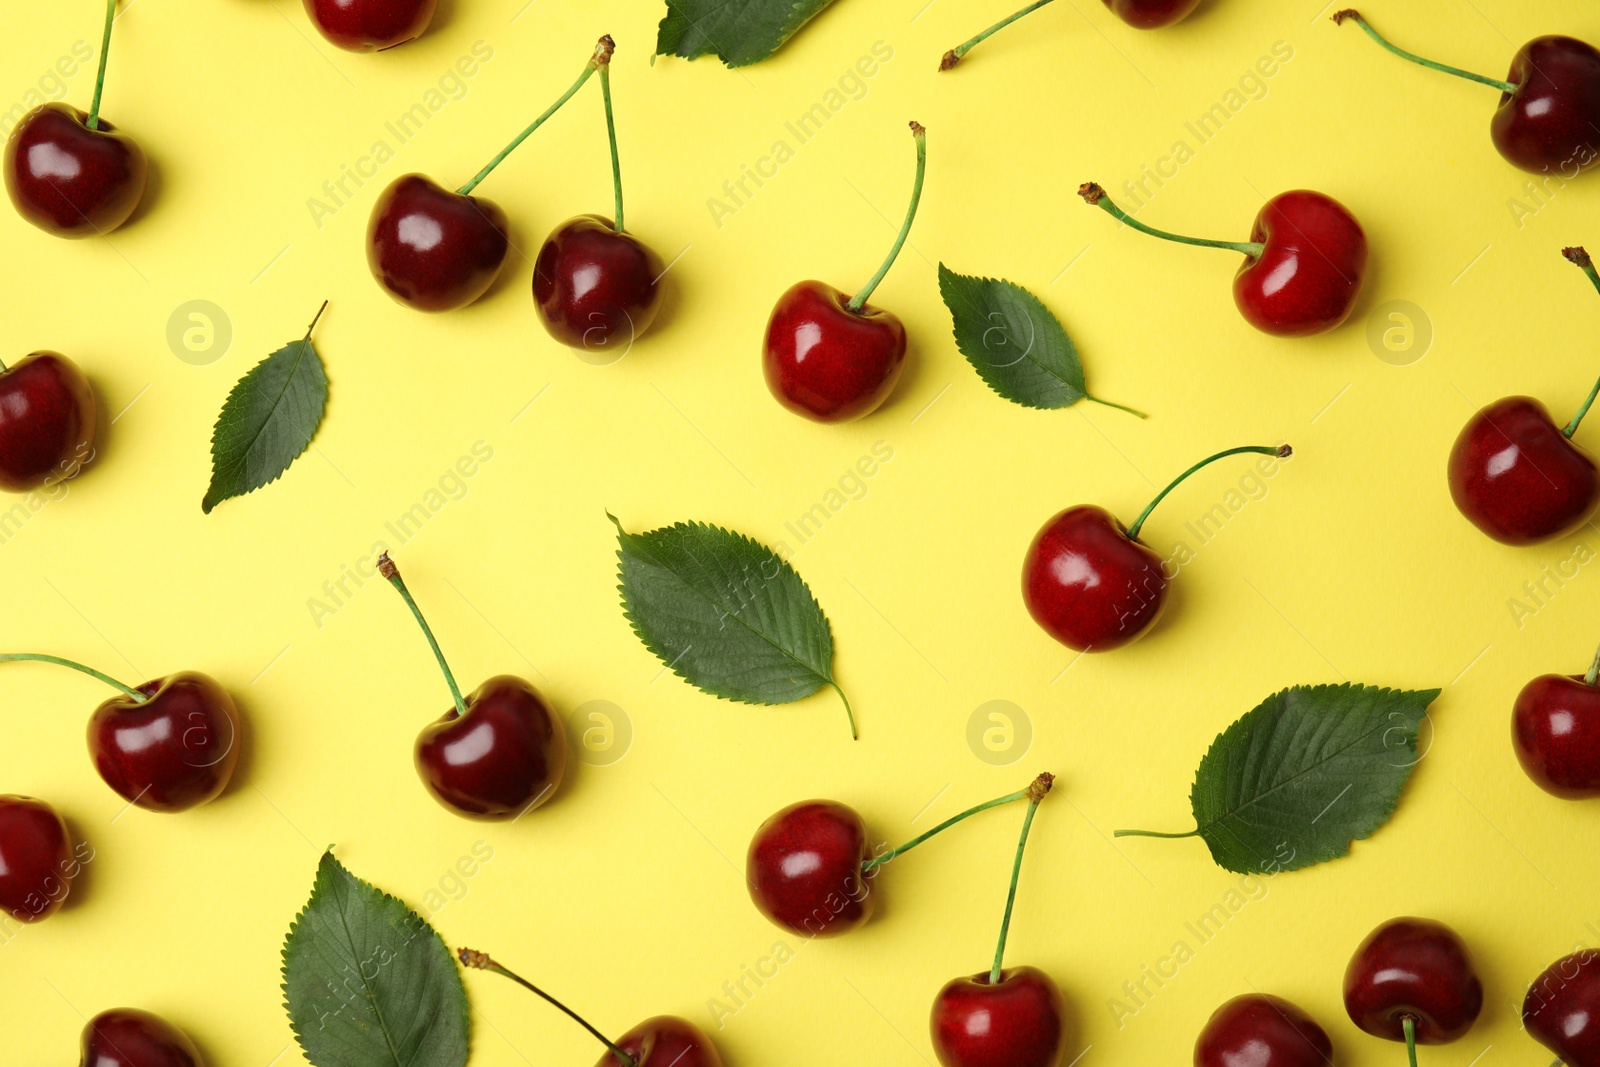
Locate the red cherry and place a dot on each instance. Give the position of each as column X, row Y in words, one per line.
column 1518, row 478
column 1152, row 14
column 370, row 25
column 127, row 1037
column 68, row 179
column 47, row 421
column 1303, row 267
column 1562, row 1009
column 36, row 859
column 1015, row 1022
column 833, row 358
column 1259, row 1030
column 596, row 287
column 1555, row 731
column 1416, row 971
column 504, row 757
column 432, row 249
column 805, row 869
column 1090, row 583
column 171, row 751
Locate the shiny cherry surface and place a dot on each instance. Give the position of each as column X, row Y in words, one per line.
column 665, row 1041
column 1517, row 478
column 829, row 363
column 1152, row 14
column 36, row 861
column 1017, row 1022
column 1562, row 1009
column 174, row 751
column 70, row 180
column 370, row 25
column 47, row 421
column 1555, row 731
column 507, row 755
column 1308, row 276
column 1551, row 123
column 804, row 873
column 595, row 288
column 127, row 1037
column 1415, row 967
column 1090, row 585
column 433, row 249
column 1260, row 1030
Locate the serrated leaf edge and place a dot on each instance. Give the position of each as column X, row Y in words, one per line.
column 208, row 504
column 971, row 360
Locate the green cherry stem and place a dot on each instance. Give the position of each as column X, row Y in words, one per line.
column 1036, row 792
column 952, row 57
column 1592, row 677
column 608, row 46
column 1409, row 1024
column 1581, row 258
column 1093, row 194
column 602, row 53
column 1021, row 794
column 1281, row 451
column 10, row 657
column 387, row 568
column 100, row 78
column 921, row 136
column 482, row 961
column 1351, row 15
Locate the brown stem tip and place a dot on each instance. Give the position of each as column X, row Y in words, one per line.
column 603, row 50
column 1041, row 785
column 471, row 957
column 1091, row 192
column 1284, row 451
column 1347, row 13
column 1577, row 255
column 950, row 60
column 917, row 128
column 386, row 566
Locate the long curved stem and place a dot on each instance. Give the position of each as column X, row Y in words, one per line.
column 1036, row 792
column 880, row 860
column 481, row 961
column 1355, row 16
column 1095, row 195
column 387, row 568
column 1581, row 258
column 100, row 77
column 7, row 657
column 594, row 64
column 921, row 137
column 1265, row 450
column 1409, row 1024
column 855, row 735
column 611, row 123
column 954, row 56
column 1154, row 833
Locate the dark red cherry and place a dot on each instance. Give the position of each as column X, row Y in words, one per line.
column 70, row 180
column 1555, row 731
column 506, row 756
column 1309, row 272
column 1152, row 14
column 1562, row 1009
column 1260, row 1030
column 47, row 421
column 804, row 869
column 665, row 1041
column 1090, row 585
column 827, row 362
column 1548, row 123
column 1415, row 968
column 433, row 249
column 370, row 25
column 596, row 288
column 127, row 1037
column 175, row 750
column 1016, row 1022
column 36, row 861
column 1518, row 478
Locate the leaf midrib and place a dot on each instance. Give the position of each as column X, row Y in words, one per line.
column 244, row 453
column 383, row 1024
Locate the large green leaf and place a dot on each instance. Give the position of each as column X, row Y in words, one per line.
column 740, row 32
column 368, row 983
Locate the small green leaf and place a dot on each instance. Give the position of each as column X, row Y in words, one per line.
column 1303, row 774
column 368, row 983
column 725, row 613
column 739, row 32
column 267, row 421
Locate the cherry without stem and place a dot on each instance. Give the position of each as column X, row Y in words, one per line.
column 370, row 25
column 36, row 862
column 1262, row 1031
column 1562, row 1009
column 1140, row 14
column 47, row 421
column 128, row 1037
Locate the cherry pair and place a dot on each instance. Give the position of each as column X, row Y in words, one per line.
column 1140, row 14
column 370, row 25
column 595, row 285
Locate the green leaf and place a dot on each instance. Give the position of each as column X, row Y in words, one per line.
column 724, row 613
column 739, row 32
column 267, row 421
column 368, row 983
column 1303, row 774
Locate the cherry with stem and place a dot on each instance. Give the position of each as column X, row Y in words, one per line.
column 483, row 962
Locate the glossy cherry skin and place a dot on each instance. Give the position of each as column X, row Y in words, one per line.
column 1414, row 967
column 1089, row 584
column 176, row 750
column 829, row 363
column 1017, row 1022
column 804, row 869
column 36, row 862
column 1562, row 1009
column 433, row 249
column 47, row 421
column 127, row 1037
column 1518, row 478
column 70, row 180
column 665, row 1041
column 1307, row 278
column 1555, row 730
column 506, row 756
column 1259, row 1030
column 370, row 25
column 596, row 288
column 1551, row 123
column 1152, row 14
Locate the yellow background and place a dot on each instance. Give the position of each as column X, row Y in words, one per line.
column 625, row 896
